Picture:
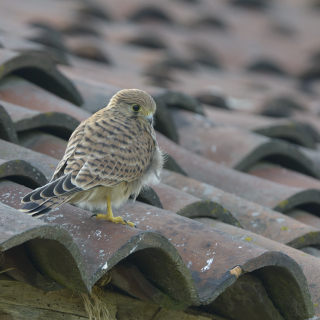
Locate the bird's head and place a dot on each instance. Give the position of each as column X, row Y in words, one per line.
column 134, row 103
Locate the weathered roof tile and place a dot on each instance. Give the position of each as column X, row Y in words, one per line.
column 15, row 90
column 286, row 129
column 27, row 119
column 261, row 191
column 35, row 67
column 171, row 259
column 236, row 148
column 250, row 215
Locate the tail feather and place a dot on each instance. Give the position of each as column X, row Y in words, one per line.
column 42, row 207
column 28, row 207
column 37, row 194
column 58, row 190
column 60, row 187
column 47, row 191
column 50, row 196
column 67, row 184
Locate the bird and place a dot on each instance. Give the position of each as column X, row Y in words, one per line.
column 109, row 157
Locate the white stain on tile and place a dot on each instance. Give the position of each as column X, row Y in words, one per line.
column 255, row 214
column 207, row 267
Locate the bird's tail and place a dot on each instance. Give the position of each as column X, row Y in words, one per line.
column 40, row 207
column 48, row 197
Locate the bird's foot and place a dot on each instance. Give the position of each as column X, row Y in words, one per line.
column 115, row 220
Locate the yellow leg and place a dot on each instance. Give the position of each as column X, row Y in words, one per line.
column 109, row 216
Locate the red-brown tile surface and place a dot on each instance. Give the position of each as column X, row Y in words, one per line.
column 258, row 190
column 233, row 147
column 276, row 128
column 257, row 63
column 195, row 253
column 308, row 263
column 251, row 216
column 20, row 92
column 39, row 69
column 284, row 176
column 25, row 119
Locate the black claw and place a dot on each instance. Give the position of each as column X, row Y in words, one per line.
column 94, row 215
column 125, row 221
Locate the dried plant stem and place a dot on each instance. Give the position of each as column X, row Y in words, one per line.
column 95, row 305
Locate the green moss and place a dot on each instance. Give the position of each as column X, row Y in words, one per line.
column 214, row 211
column 171, row 304
column 302, row 240
column 2, row 169
column 313, row 234
column 283, row 203
column 1, row 70
column 284, row 290
column 201, row 203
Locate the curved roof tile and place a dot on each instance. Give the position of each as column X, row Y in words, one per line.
column 35, row 67
column 234, row 147
column 26, row 119
column 258, row 190
column 172, row 260
column 252, row 216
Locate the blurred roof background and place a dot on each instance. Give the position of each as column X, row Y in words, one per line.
column 233, row 230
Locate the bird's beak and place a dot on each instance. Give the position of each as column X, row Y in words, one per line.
column 149, row 118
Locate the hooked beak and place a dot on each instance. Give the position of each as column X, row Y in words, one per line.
column 149, row 118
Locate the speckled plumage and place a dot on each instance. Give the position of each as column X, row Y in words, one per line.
column 113, row 153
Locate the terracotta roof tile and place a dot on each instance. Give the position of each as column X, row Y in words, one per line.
column 45, row 164
column 14, row 90
column 257, row 190
column 200, row 239
column 308, row 262
column 233, row 147
column 27, row 119
column 33, row 66
column 7, row 130
column 190, row 206
column 131, row 240
column 11, row 188
column 282, row 128
column 284, row 176
column 250, row 215
column 16, row 43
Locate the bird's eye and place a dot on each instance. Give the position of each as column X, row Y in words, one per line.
column 136, row 107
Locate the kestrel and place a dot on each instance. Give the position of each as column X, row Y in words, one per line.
column 110, row 156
